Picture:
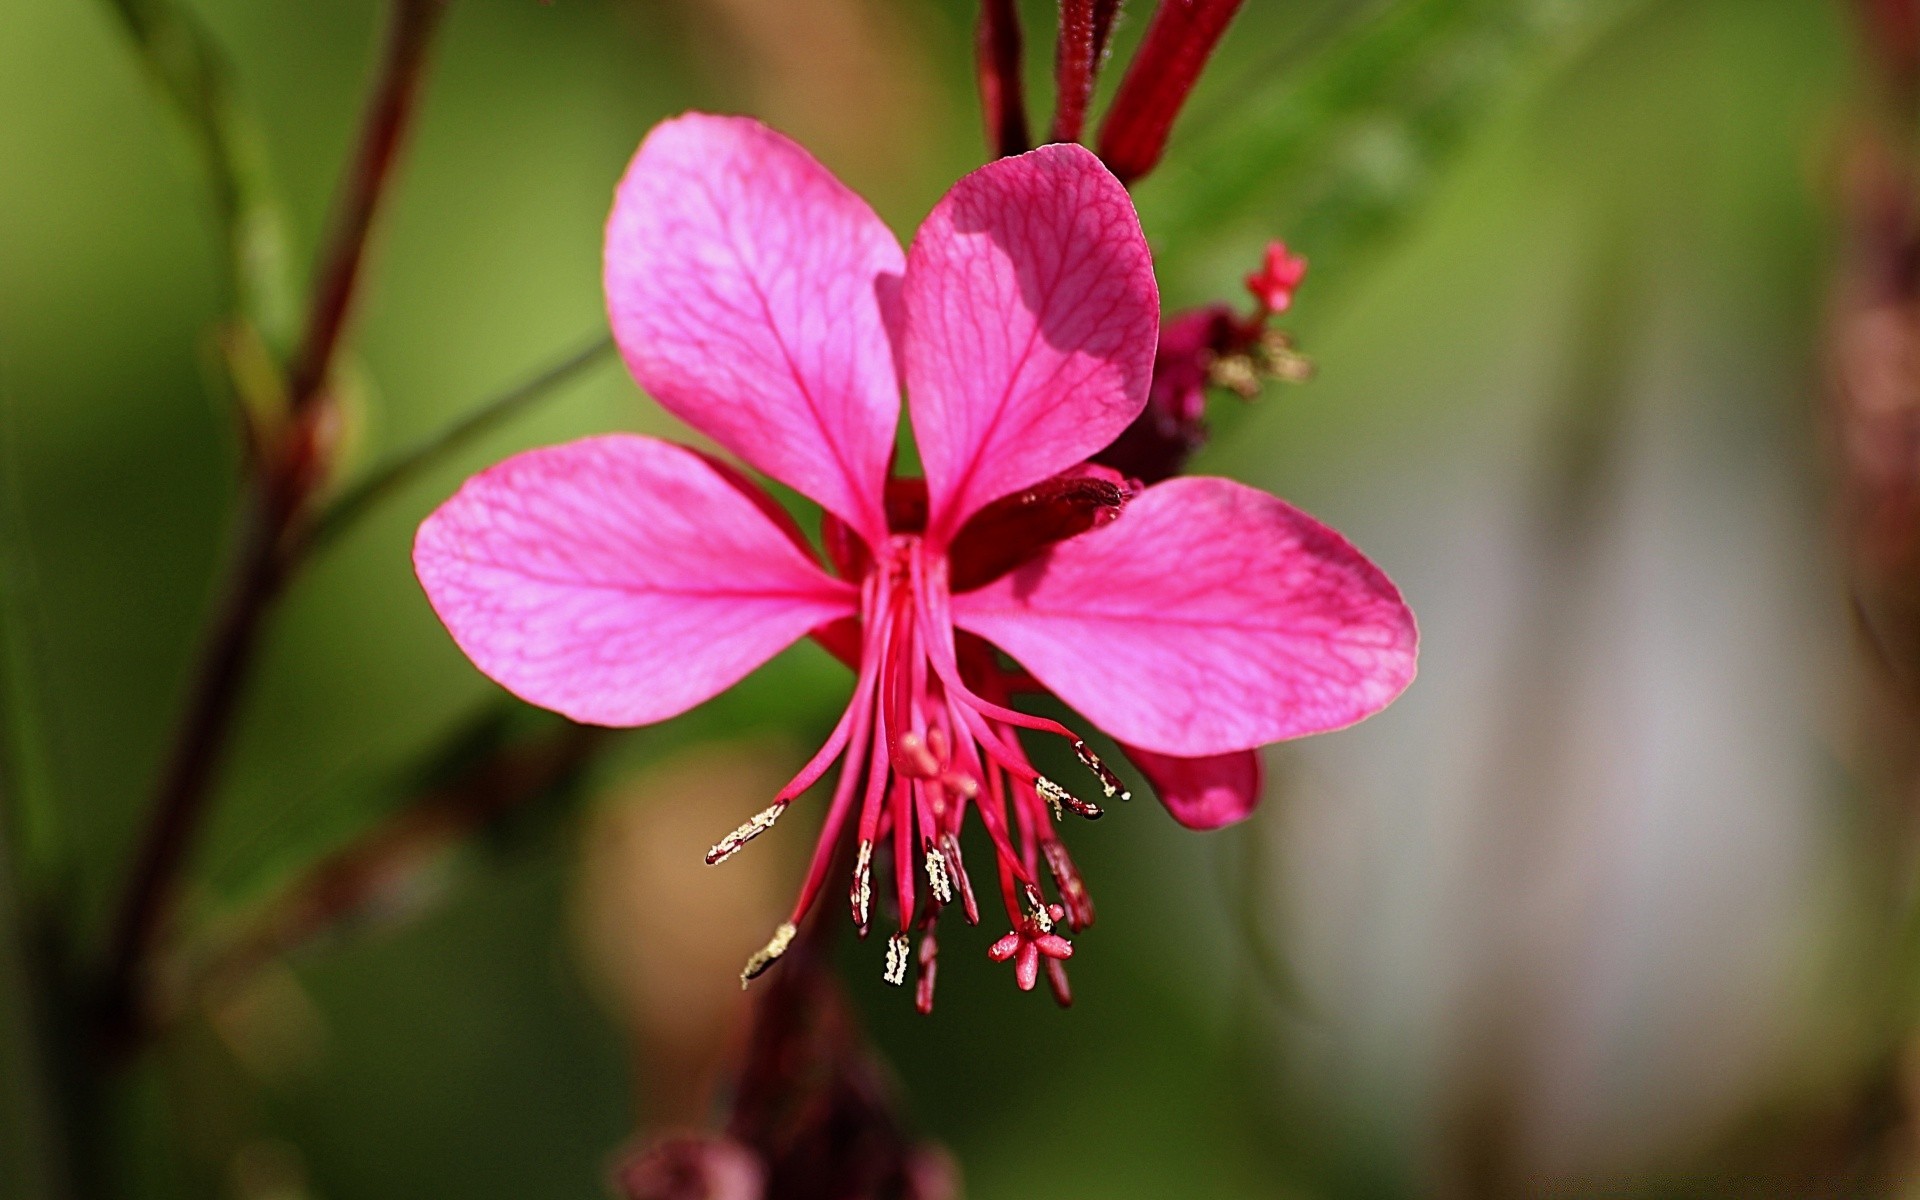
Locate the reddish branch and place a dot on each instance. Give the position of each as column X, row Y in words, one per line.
column 284, row 473
column 1175, row 49
column 1002, row 94
column 377, row 871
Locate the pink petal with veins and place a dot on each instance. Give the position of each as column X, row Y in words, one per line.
column 1203, row 793
column 752, row 295
column 618, row 580
column 1211, row 617
column 1030, row 316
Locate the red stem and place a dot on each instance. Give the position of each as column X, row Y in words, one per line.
column 342, row 886
column 283, row 480
column 1157, row 84
column 1002, row 94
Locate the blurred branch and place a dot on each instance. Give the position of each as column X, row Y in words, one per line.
column 289, row 464
column 1002, row 90
column 393, row 474
column 1575, row 476
column 483, row 779
column 190, row 68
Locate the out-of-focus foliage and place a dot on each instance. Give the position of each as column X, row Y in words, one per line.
column 1459, row 173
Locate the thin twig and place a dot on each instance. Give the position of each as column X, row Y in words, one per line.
column 396, row 471
column 376, row 871
column 276, row 498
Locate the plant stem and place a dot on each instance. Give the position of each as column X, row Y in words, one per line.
column 282, row 481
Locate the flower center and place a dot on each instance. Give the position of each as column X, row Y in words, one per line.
column 927, row 738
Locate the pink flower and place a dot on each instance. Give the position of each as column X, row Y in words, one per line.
column 622, row 580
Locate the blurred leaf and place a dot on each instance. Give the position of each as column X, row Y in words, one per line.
column 194, row 74
column 1337, row 149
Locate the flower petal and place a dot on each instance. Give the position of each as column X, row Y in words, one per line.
column 752, row 295
column 617, row 580
column 1211, row 617
column 1203, row 793
column 1030, row 315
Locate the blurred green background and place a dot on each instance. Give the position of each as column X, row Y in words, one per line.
column 1584, row 905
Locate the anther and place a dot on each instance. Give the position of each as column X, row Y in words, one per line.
column 1236, row 373
column 1110, row 785
column 937, row 876
column 767, row 955
column 1052, row 793
column 862, row 894
column 730, row 845
column 1037, row 909
column 1057, row 796
column 896, row 959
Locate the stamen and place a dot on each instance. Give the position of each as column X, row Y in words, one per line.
column 730, row 845
column 1066, row 877
column 937, row 876
column 862, row 895
column 1110, row 785
column 896, row 973
column 968, row 904
column 1057, row 980
column 767, row 955
column 923, row 987
column 1056, row 796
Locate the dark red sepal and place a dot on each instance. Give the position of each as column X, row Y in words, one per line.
column 1002, row 93
column 1014, row 528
